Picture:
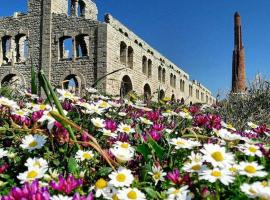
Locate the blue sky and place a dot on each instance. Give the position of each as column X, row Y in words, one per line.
column 197, row 35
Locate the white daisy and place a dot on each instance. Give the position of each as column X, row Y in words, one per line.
column 130, row 194
column 252, row 125
column 251, row 169
column 37, row 162
column 122, row 114
column 185, row 115
column 157, row 174
column 109, row 133
column 181, row 143
column 227, row 135
column 124, row 128
column 101, row 187
column 3, row 153
column 61, row 197
column 228, row 126
column 32, row 142
column 195, row 157
column 31, row 174
column 194, row 167
column 91, row 90
column 212, row 175
column 21, row 112
column 98, row 122
column 217, row 156
column 103, row 104
column 248, row 190
column 179, row 193
column 122, row 151
column 145, row 121
column 121, row 178
column 84, row 155
column 8, row 103
column 67, row 95
column 250, row 150
column 91, row 108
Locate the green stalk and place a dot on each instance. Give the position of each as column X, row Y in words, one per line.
column 59, row 107
column 217, row 190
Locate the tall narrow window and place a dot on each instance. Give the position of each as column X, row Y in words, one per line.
column 82, row 46
column 174, row 81
column 66, row 48
column 130, row 57
column 149, row 68
column 159, row 73
column 81, row 9
column 123, row 53
column 163, row 75
column 190, row 90
column 22, row 48
column 144, row 65
column 6, row 50
column 171, row 80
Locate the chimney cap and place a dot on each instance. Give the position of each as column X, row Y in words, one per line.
column 237, row 14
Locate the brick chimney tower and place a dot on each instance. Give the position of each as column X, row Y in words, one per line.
column 238, row 64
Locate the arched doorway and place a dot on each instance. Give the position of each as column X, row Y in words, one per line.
column 71, row 83
column 12, row 80
column 161, row 94
column 147, row 92
column 126, row 86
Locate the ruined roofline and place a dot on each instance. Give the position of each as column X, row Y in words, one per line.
column 116, row 24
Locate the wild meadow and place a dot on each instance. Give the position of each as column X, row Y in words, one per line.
column 68, row 147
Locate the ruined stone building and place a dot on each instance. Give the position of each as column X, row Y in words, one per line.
column 65, row 39
column 238, row 64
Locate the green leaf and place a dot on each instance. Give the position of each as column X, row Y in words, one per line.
column 144, row 150
column 152, row 193
column 104, row 171
column 72, row 165
column 159, row 151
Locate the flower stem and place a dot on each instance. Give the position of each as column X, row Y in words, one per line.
column 217, row 190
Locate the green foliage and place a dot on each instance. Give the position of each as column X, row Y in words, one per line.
column 238, row 109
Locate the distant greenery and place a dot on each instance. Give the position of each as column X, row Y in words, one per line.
column 238, row 109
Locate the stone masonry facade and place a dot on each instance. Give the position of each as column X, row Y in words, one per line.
column 65, row 39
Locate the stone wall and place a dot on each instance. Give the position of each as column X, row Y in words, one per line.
column 117, row 33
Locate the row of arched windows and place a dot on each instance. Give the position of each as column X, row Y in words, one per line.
column 14, row 49
column 126, row 55
column 182, row 85
column 77, row 47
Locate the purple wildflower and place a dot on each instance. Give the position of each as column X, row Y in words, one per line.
column 66, row 185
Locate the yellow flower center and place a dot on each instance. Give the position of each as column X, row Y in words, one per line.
column 121, row 177
column 252, row 149
column 87, row 156
column 175, row 191
column 115, row 197
column 216, row 173
column 33, row 144
column 132, row 195
column 217, row 156
column 179, row 142
column 101, row 184
column 126, row 129
column 32, row 174
column 157, row 176
column 20, row 112
column 264, row 183
column 229, row 126
column 252, row 191
column 196, row 167
column 42, row 107
column 37, row 164
column 232, row 169
column 250, row 169
column 125, row 145
column 103, row 104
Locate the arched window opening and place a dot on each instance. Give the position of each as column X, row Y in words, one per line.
column 163, row 75
column 22, row 48
column 81, row 9
column 190, row 103
column 182, row 85
column 147, row 92
column 190, row 90
column 7, row 50
column 174, row 81
column 159, row 73
column 82, row 46
column 182, row 100
column 12, row 81
column 206, row 98
column 126, row 86
column 123, row 53
column 202, row 96
column 66, row 48
column 161, row 94
column 71, row 84
column 171, row 80
column 149, row 68
column 144, row 65
column 130, row 57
